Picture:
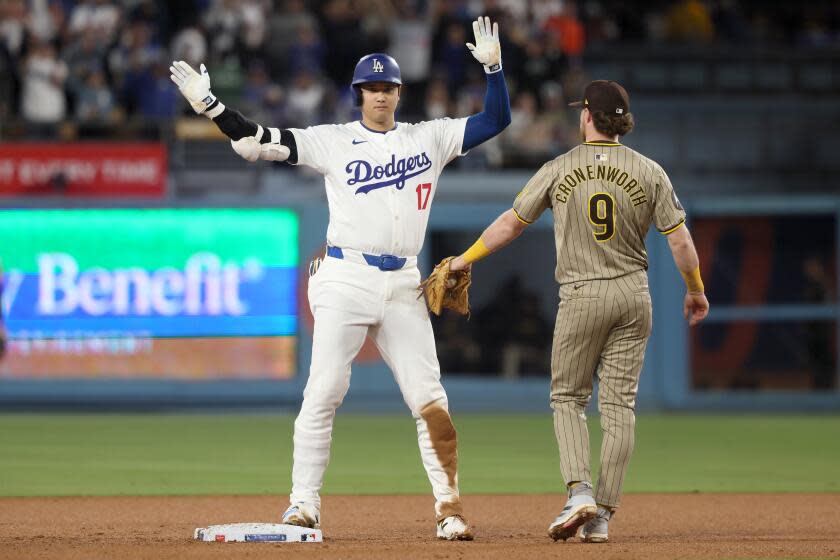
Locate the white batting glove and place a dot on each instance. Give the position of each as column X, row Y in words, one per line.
column 195, row 88
column 487, row 49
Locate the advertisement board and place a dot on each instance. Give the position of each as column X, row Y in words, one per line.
column 83, row 169
column 163, row 293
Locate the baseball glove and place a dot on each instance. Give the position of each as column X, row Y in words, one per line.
column 444, row 288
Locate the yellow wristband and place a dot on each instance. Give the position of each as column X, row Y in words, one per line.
column 693, row 281
column 477, row 252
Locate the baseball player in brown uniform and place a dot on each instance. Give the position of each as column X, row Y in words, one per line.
column 604, row 197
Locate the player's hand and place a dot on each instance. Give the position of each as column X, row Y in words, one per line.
column 193, row 86
column 487, row 49
column 696, row 307
column 458, row 263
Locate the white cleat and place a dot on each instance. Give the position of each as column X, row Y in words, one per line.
column 596, row 529
column 454, row 528
column 302, row 515
column 579, row 509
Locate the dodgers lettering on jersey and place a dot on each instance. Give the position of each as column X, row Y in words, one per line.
column 380, row 187
column 395, row 172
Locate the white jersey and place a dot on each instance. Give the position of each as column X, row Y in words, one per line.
column 380, row 186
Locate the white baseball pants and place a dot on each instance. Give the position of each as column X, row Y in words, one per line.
column 349, row 301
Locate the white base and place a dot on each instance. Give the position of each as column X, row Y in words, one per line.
column 258, row 532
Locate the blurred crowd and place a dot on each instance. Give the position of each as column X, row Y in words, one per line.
column 288, row 62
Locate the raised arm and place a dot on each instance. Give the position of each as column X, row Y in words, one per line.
column 496, row 114
column 249, row 139
column 696, row 306
column 505, row 229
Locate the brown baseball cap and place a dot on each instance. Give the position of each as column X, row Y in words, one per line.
column 606, row 96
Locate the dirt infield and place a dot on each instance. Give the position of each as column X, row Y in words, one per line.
column 647, row 526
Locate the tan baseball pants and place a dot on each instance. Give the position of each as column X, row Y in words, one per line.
column 602, row 329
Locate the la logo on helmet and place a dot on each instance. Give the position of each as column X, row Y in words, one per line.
column 377, row 66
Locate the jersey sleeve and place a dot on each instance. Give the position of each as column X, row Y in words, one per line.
column 668, row 213
column 312, row 145
column 449, row 137
column 532, row 201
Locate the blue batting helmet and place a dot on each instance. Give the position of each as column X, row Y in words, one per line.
column 377, row 67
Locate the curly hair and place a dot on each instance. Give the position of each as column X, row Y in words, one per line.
column 613, row 124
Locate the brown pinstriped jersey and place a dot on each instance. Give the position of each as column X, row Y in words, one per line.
column 604, row 197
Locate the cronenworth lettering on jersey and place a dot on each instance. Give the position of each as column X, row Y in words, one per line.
column 396, row 172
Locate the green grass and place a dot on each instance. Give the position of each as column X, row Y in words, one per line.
column 54, row 455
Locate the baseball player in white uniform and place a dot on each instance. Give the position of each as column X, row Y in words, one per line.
column 381, row 177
